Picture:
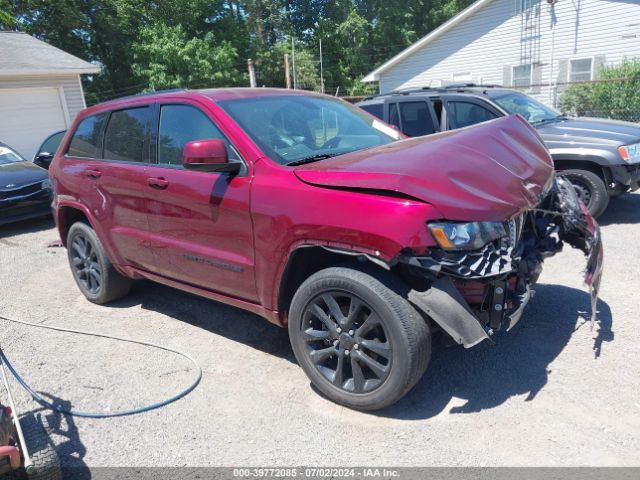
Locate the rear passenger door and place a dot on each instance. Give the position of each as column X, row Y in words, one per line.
column 412, row 116
column 463, row 111
column 201, row 221
column 113, row 153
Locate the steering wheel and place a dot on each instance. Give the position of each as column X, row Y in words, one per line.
column 280, row 138
column 331, row 143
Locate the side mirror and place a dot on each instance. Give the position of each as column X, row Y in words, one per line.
column 208, row 156
column 43, row 159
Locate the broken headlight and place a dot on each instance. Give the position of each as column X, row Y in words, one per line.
column 466, row 236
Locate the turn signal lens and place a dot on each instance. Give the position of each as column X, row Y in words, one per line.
column 441, row 238
column 466, row 236
column 624, row 153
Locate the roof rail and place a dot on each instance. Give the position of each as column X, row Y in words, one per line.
column 454, row 86
column 144, row 94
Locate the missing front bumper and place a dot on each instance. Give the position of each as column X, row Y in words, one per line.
column 507, row 272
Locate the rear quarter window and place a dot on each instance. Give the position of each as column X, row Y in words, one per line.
column 374, row 109
column 86, row 139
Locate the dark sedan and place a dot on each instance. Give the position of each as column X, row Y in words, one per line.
column 25, row 188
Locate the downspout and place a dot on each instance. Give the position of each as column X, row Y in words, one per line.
column 553, row 87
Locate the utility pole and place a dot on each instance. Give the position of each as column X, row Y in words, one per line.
column 293, row 62
column 287, row 76
column 321, row 70
column 252, row 74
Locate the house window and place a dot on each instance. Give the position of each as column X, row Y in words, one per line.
column 522, row 76
column 462, row 77
column 580, row 69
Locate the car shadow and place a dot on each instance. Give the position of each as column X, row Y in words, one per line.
column 487, row 375
column 624, row 209
column 230, row 322
column 484, row 376
column 26, row 226
column 65, row 437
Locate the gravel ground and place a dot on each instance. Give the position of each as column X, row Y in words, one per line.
column 551, row 392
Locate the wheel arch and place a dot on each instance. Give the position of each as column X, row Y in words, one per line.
column 597, row 166
column 305, row 260
column 67, row 215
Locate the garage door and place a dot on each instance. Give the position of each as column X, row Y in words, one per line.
column 28, row 116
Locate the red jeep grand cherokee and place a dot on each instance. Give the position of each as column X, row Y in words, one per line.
column 313, row 214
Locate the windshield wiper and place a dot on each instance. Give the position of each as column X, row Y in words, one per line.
column 550, row 119
column 312, row 158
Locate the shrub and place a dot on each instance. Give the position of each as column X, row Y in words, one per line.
column 617, row 97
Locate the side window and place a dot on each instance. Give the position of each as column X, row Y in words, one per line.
column 463, row 114
column 416, row 119
column 127, row 135
column 86, row 139
column 180, row 124
column 394, row 118
column 374, row 109
column 51, row 144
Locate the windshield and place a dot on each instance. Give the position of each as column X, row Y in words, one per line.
column 532, row 110
column 9, row 156
column 295, row 128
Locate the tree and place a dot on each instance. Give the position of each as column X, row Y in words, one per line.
column 143, row 44
column 164, row 57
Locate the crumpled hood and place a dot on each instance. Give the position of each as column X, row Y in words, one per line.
column 589, row 132
column 19, row 174
column 489, row 171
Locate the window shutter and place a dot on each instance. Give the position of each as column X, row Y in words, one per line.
column 563, row 71
column 598, row 62
column 536, row 78
column 506, row 76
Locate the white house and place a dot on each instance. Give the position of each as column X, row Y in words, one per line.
column 537, row 45
column 40, row 90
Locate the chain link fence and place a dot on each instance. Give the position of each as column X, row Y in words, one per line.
column 614, row 98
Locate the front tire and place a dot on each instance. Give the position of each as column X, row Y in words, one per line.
column 358, row 340
column 590, row 188
column 94, row 274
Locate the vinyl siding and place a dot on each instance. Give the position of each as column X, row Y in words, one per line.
column 497, row 37
column 70, row 85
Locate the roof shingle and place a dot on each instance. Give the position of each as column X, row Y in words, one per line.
column 22, row 54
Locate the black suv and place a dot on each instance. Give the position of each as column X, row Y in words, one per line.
column 600, row 157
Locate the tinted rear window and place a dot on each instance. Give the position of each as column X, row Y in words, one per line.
column 86, row 139
column 374, row 109
column 127, row 135
column 416, row 119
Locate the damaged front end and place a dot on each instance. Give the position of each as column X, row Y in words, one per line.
column 473, row 292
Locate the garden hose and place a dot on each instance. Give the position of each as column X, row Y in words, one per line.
column 57, row 408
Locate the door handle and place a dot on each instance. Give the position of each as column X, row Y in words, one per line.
column 94, row 174
column 158, row 182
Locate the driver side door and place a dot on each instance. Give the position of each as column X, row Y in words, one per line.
column 200, row 222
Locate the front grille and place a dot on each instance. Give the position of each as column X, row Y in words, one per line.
column 20, row 192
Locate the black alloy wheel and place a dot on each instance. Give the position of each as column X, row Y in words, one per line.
column 85, row 264
column 347, row 342
column 357, row 337
column 94, row 274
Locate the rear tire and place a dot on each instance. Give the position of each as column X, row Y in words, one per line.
column 358, row 340
column 94, row 274
column 590, row 189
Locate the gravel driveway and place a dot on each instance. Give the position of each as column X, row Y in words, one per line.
column 551, row 392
